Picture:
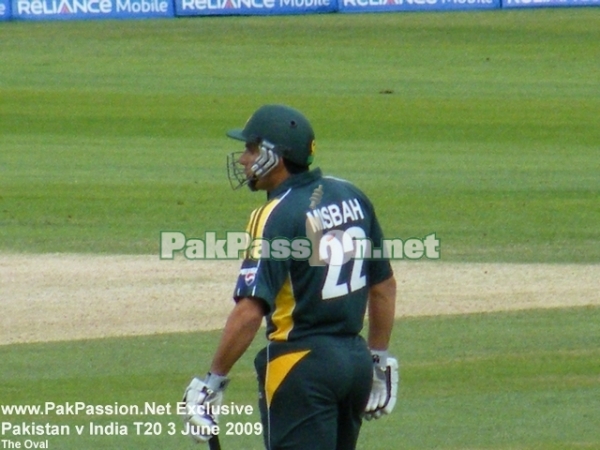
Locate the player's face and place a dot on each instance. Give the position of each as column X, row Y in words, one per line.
column 267, row 181
column 247, row 159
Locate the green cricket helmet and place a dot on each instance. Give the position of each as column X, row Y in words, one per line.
column 280, row 132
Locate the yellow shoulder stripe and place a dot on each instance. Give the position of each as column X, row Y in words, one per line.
column 256, row 226
column 259, row 217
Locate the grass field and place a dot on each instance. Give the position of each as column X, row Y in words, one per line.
column 114, row 131
column 520, row 380
column 480, row 126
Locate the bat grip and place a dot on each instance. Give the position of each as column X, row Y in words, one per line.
column 214, row 444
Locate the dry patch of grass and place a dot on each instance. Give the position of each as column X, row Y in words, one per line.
column 62, row 297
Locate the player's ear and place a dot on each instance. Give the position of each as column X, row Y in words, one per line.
column 283, row 164
column 293, row 168
column 281, row 167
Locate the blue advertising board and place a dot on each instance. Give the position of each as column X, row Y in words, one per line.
column 252, row 7
column 542, row 3
column 4, row 10
column 90, row 9
column 414, row 5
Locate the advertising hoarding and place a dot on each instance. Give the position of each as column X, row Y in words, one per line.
column 253, row 7
column 4, row 10
column 90, row 9
column 544, row 3
column 414, row 5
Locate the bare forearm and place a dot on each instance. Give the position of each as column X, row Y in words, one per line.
column 382, row 308
column 241, row 327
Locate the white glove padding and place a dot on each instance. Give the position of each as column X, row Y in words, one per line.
column 385, row 387
column 199, row 402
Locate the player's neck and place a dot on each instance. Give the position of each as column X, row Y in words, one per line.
column 275, row 178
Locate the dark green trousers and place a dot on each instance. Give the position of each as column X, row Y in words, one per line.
column 313, row 392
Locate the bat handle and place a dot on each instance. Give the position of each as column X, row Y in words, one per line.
column 214, row 444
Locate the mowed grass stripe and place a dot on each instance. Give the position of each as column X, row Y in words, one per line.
column 520, row 380
column 478, row 126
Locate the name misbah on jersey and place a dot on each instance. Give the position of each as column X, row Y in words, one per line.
column 335, row 214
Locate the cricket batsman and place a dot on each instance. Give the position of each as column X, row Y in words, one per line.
column 318, row 378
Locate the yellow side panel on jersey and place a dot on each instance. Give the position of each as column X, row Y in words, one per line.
column 278, row 369
column 282, row 318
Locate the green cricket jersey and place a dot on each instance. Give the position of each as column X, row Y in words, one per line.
column 309, row 261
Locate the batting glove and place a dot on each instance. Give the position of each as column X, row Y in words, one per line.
column 200, row 400
column 384, row 389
